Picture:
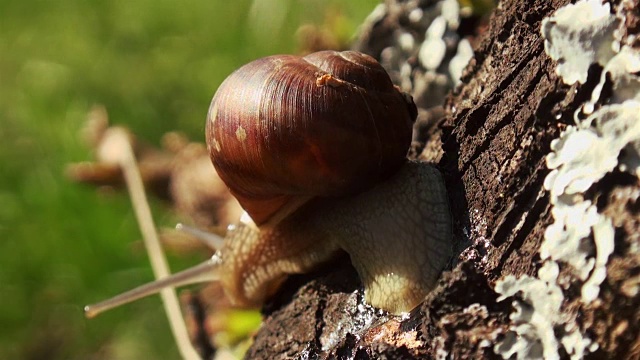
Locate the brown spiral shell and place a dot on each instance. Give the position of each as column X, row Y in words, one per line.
column 327, row 124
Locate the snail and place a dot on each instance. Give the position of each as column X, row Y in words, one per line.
column 314, row 149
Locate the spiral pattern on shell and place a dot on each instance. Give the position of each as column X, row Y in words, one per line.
column 327, row 124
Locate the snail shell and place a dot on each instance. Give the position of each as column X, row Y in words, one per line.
column 283, row 129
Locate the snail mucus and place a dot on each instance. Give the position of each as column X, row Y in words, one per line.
column 314, row 149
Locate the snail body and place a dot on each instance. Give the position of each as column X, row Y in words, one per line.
column 397, row 235
column 314, row 149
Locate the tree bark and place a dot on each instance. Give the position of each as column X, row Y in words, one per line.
column 496, row 132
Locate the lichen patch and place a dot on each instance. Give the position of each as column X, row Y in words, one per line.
column 579, row 35
column 605, row 137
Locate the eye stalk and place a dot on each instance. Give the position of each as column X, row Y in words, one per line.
column 204, row 272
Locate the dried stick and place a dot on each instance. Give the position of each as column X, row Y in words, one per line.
column 118, row 147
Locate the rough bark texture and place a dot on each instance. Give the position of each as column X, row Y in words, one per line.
column 496, row 133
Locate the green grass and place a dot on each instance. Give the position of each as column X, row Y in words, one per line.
column 155, row 66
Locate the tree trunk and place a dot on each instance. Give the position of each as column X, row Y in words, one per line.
column 496, row 134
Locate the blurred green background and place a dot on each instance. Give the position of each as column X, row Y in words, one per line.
column 154, row 65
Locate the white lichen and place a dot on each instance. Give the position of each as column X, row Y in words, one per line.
column 608, row 138
column 603, row 237
column 605, row 137
column 579, row 158
column 619, row 71
column 584, row 154
column 433, row 48
column 537, row 317
column 440, row 35
column 450, row 10
column 619, row 124
column 406, row 42
column 537, row 314
column 576, row 345
column 567, row 238
column 460, row 60
column 426, row 55
column 579, row 35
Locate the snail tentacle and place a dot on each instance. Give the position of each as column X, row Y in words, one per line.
column 212, row 241
column 204, row 272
